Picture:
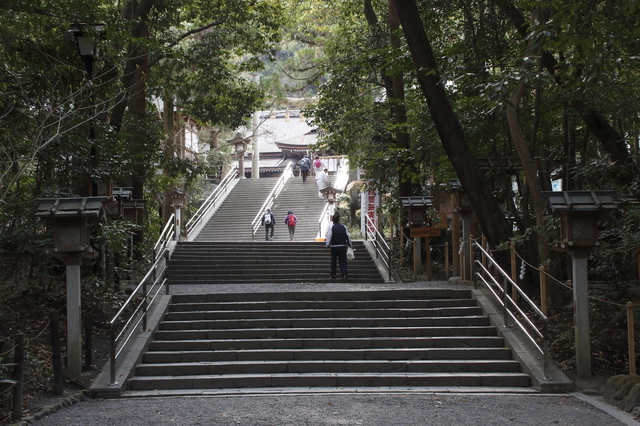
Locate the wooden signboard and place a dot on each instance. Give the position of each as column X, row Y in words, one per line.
column 425, row 232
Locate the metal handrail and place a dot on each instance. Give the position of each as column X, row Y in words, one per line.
column 271, row 198
column 511, row 308
column 383, row 251
column 167, row 234
column 147, row 291
column 202, row 212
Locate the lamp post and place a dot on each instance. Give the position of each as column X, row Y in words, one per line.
column 85, row 36
column 580, row 213
column 417, row 207
column 240, row 147
column 177, row 198
column 70, row 219
column 330, row 195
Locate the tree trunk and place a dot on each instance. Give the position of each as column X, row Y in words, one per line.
column 406, row 167
column 485, row 206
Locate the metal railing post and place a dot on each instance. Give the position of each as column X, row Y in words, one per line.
column 112, row 355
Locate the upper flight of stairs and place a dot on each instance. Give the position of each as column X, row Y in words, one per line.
column 427, row 338
column 263, row 262
column 232, row 221
column 302, row 199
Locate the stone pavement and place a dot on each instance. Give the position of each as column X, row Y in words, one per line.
column 358, row 406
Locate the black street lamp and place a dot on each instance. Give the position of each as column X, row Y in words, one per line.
column 86, row 35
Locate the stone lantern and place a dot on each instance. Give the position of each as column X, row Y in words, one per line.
column 330, row 194
column 70, row 219
column 177, row 198
column 580, row 213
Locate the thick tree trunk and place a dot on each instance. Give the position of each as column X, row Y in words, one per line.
column 485, row 206
column 405, row 167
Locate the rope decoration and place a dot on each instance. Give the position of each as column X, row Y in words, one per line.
column 542, row 271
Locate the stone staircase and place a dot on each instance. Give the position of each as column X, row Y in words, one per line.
column 263, row 262
column 302, row 199
column 337, row 339
column 232, row 221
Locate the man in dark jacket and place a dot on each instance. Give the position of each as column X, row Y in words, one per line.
column 268, row 221
column 338, row 239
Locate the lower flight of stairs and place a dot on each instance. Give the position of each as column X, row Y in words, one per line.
column 388, row 338
column 263, row 262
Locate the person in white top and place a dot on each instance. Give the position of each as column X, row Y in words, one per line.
column 321, row 180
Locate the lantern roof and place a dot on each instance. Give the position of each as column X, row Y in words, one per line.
column 579, row 201
column 510, row 165
column 123, row 192
column 330, row 188
column 176, row 193
column 420, row 201
column 91, row 207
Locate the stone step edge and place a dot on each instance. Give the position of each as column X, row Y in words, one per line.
column 295, row 391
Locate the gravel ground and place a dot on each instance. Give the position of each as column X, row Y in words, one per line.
column 342, row 409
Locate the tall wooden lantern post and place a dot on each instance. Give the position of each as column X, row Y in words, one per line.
column 70, row 219
column 177, row 198
column 580, row 213
column 417, row 213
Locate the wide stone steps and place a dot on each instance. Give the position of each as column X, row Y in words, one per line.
column 232, row 220
column 263, row 262
column 329, row 352
column 326, row 339
column 334, row 380
column 328, row 366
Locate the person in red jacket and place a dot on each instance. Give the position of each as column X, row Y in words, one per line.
column 290, row 219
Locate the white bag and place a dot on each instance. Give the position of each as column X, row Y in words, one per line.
column 350, row 253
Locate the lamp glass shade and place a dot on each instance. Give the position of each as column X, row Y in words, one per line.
column 86, row 46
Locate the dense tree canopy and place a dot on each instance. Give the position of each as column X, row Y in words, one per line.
column 549, row 84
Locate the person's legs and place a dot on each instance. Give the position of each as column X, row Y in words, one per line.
column 291, row 232
column 334, row 258
column 342, row 259
column 266, row 232
column 271, row 231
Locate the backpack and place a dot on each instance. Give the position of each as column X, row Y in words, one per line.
column 304, row 164
column 291, row 220
column 318, row 163
column 267, row 219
